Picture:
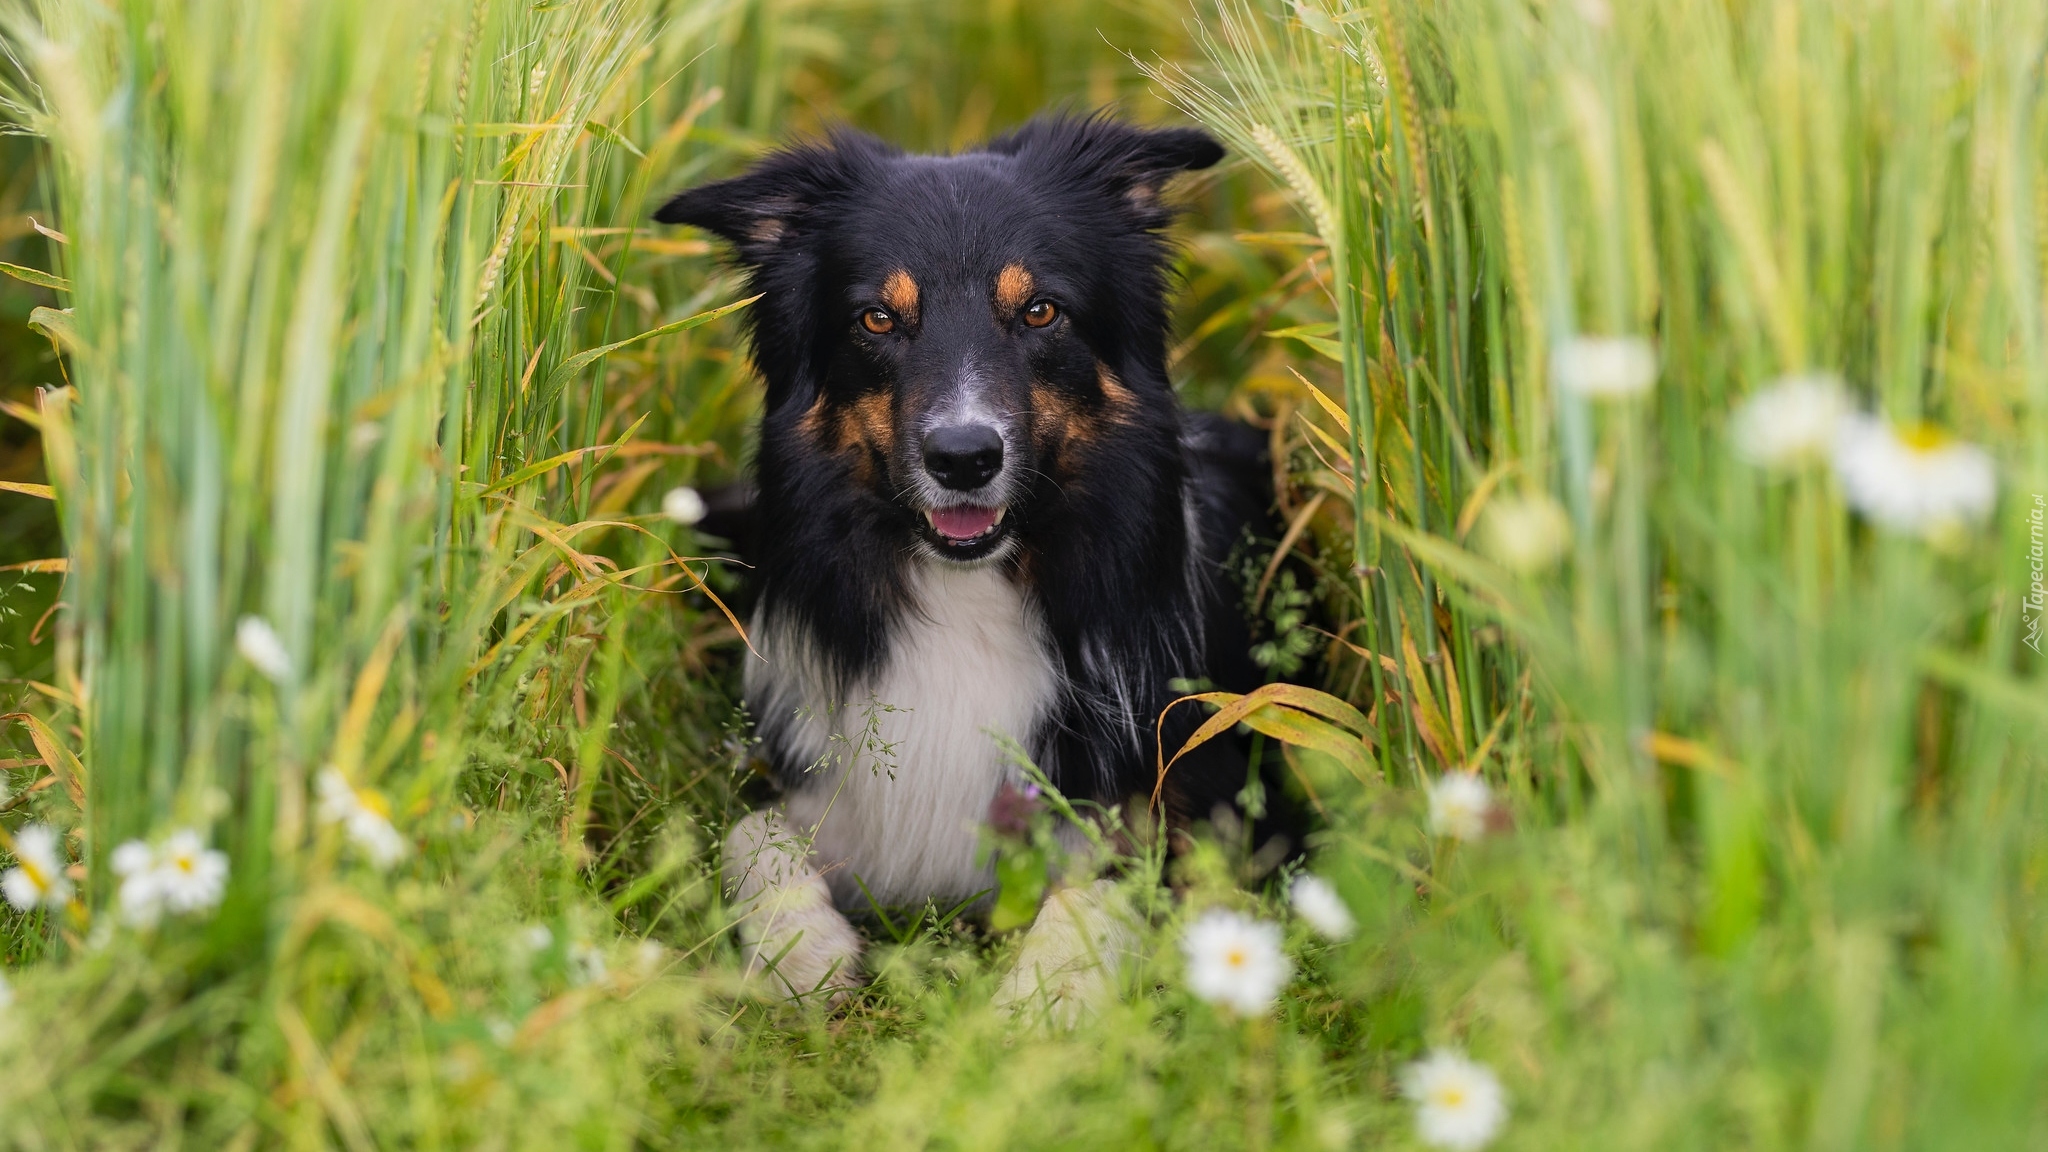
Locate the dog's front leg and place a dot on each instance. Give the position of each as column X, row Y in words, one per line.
column 1073, row 956
column 789, row 928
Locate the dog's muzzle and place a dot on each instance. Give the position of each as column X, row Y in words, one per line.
column 964, row 458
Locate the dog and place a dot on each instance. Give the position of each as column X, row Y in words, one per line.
column 980, row 516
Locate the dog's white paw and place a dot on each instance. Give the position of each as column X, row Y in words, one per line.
column 1071, row 964
column 798, row 942
column 792, row 936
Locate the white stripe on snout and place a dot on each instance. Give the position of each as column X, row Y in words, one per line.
column 966, row 403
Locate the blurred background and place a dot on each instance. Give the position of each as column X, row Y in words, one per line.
column 28, row 528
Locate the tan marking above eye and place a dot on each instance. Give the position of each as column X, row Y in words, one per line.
column 877, row 321
column 1013, row 288
column 1040, row 314
column 900, row 293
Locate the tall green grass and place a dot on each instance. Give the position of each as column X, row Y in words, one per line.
column 355, row 326
column 1776, row 770
column 320, row 361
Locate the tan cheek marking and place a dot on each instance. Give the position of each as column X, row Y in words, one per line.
column 861, row 429
column 899, row 292
column 1054, row 418
column 840, row 432
column 864, row 423
column 1122, row 400
column 868, row 423
column 812, row 424
column 1013, row 290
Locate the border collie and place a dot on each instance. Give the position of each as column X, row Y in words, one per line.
column 981, row 513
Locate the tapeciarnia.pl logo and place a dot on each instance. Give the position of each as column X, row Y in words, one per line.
column 2032, row 608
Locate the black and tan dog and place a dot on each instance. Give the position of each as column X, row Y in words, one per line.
column 980, row 511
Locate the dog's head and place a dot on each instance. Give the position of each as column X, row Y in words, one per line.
column 959, row 330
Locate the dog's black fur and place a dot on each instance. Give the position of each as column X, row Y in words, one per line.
column 1119, row 509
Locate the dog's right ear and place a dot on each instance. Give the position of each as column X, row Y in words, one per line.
column 762, row 208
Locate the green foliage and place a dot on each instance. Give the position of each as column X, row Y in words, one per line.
column 1751, row 730
column 1290, row 643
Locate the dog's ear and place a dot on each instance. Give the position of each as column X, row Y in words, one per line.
column 1130, row 162
column 760, row 209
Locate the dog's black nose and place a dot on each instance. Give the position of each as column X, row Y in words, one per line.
column 963, row 456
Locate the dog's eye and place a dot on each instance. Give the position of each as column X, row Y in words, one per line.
column 877, row 321
column 1041, row 313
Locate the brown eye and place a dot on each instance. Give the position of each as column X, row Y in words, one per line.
column 877, row 321
column 1040, row 314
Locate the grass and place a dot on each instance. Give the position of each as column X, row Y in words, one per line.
column 336, row 282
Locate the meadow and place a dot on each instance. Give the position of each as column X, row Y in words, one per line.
column 1659, row 402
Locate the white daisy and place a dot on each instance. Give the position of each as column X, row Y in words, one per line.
column 337, row 800
column 261, row 646
column 141, row 900
column 38, row 875
column 1525, row 533
column 1791, row 421
column 1316, row 901
column 1920, row 482
column 1458, row 805
column 586, row 965
column 1459, row 1103
column 1604, row 367
column 683, row 505
column 365, row 815
column 190, row 876
column 535, row 938
column 1235, row 961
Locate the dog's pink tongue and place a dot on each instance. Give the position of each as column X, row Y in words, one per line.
column 964, row 522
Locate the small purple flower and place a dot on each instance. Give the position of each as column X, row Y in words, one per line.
column 1010, row 813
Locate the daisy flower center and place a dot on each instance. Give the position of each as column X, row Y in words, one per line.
column 185, row 864
column 1235, row 958
column 1922, row 438
column 1450, row 1097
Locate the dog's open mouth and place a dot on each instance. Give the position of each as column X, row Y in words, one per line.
column 965, row 526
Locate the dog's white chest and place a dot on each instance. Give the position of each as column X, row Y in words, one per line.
column 904, row 767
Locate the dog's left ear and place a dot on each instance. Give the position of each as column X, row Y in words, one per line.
column 1130, row 162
